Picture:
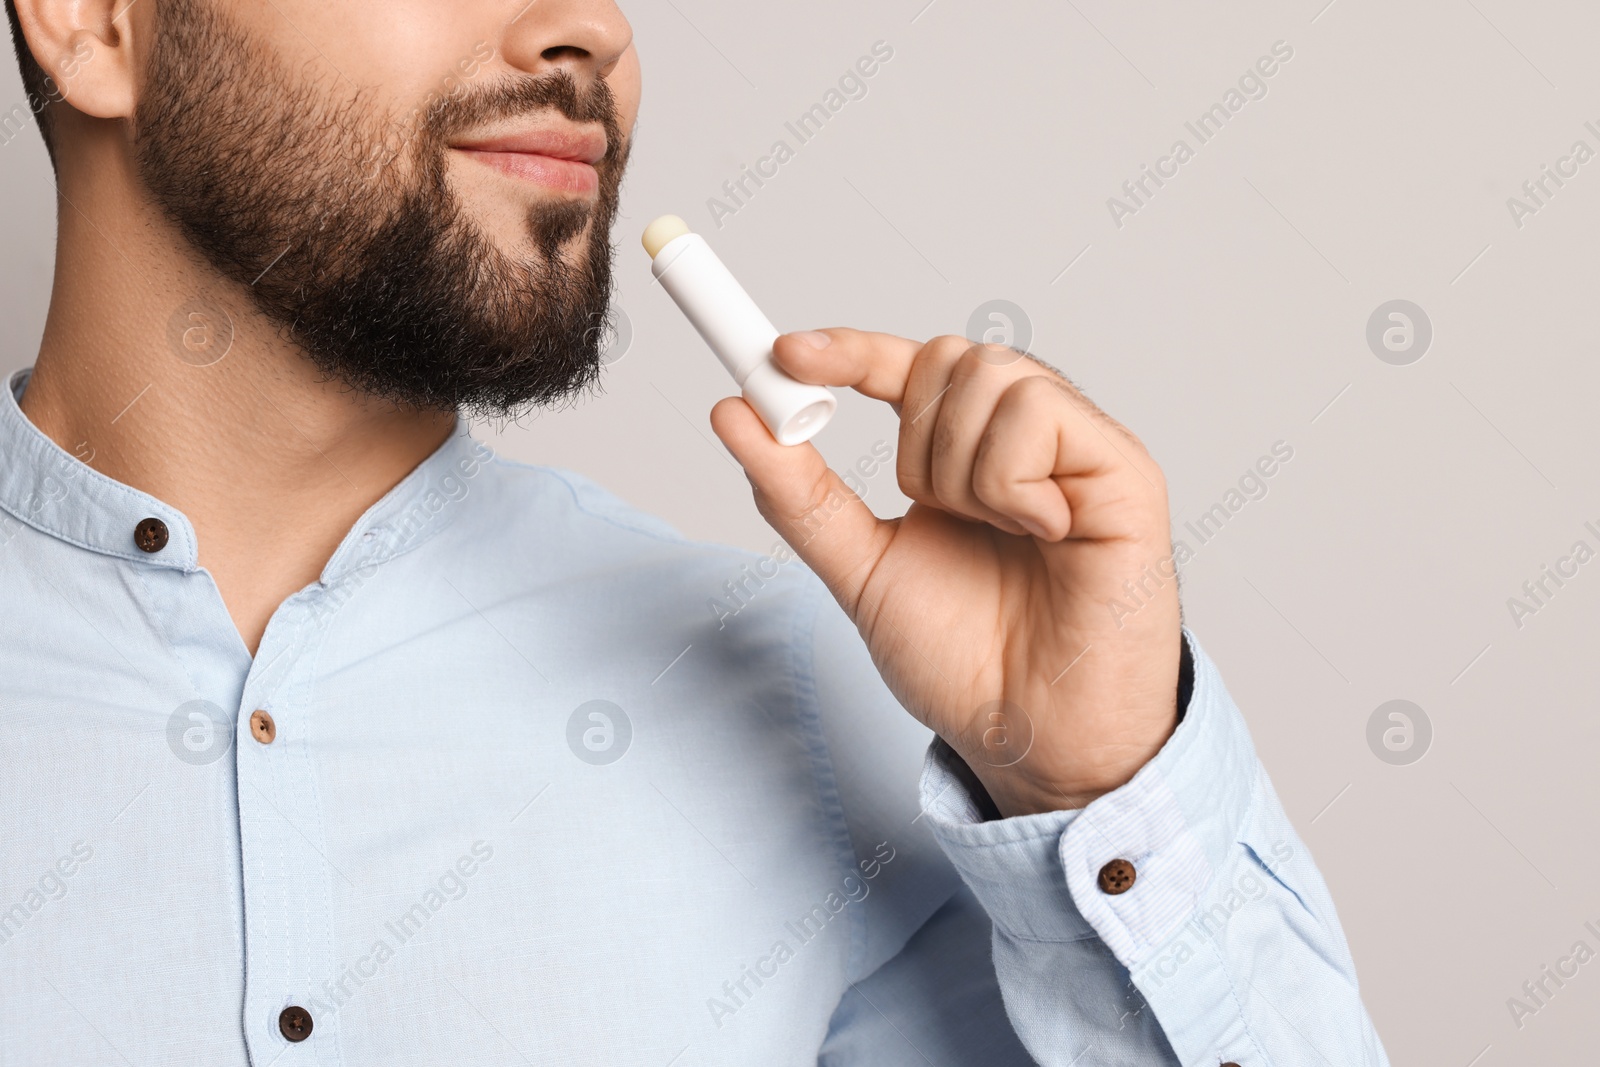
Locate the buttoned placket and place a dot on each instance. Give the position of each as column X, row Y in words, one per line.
column 289, row 882
column 288, row 885
column 293, row 998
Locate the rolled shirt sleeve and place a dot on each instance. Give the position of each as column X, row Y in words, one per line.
column 1225, row 947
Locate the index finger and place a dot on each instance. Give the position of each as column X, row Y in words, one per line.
column 873, row 364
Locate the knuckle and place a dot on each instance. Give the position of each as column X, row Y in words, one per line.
column 997, row 361
column 1042, row 386
column 917, row 489
column 990, row 484
column 977, row 360
column 941, row 445
column 909, row 474
column 913, row 480
column 1033, row 394
column 949, row 482
column 946, row 348
column 945, row 342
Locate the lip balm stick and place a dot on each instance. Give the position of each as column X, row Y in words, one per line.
column 737, row 331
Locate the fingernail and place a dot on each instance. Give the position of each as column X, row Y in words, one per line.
column 815, row 339
column 1034, row 528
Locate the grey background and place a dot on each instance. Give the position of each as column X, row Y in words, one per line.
column 1228, row 314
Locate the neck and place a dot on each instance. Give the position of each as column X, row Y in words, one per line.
column 271, row 464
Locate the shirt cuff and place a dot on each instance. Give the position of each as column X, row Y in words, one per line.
column 1038, row 876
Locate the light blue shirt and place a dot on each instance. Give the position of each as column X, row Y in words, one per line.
column 546, row 783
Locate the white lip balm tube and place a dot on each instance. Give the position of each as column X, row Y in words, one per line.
column 737, row 331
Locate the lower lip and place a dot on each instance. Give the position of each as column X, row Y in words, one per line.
column 565, row 175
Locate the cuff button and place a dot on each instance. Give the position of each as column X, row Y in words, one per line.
column 1117, row 877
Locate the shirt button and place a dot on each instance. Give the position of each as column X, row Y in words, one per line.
column 294, row 1022
column 1117, row 877
column 150, row 535
column 262, row 728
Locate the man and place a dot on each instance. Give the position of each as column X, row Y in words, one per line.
column 331, row 738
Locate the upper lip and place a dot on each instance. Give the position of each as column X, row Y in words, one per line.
column 582, row 144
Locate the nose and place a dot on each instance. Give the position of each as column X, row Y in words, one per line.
column 587, row 38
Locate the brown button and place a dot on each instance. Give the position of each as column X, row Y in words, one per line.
column 262, row 728
column 150, row 535
column 294, row 1022
column 1117, row 877
column 1230, row 1063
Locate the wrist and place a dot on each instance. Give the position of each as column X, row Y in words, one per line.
column 1035, row 784
column 1021, row 790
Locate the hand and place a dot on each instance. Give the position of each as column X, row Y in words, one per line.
column 991, row 607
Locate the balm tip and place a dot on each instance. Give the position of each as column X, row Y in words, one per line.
column 663, row 230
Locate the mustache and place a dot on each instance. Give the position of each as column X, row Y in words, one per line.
column 514, row 97
column 511, row 97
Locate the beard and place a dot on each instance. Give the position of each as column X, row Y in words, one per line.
column 341, row 225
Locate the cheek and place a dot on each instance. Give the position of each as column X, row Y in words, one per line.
column 626, row 83
column 396, row 51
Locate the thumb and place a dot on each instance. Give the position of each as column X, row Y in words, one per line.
column 821, row 518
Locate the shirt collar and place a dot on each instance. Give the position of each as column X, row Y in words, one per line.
column 57, row 493
column 61, row 495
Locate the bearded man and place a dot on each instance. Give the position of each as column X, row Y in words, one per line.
column 330, row 737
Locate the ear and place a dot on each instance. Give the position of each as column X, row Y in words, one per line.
column 85, row 48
